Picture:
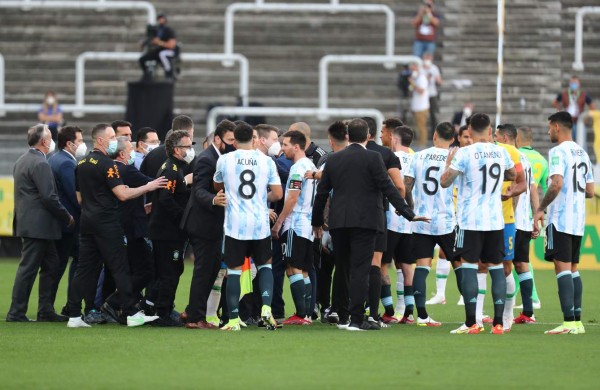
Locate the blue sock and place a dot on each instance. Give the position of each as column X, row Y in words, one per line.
column 265, row 283
column 297, row 289
column 469, row 291
column 526, row 283
column 420, row 290
column 307, row 296
column 577, row 294
column 566, row 295
column 498, row 291
column 386, row 299
column 233, row 293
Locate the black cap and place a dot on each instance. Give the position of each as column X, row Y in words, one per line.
column 161, row 15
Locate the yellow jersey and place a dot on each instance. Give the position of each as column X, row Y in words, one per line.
column 507, row 206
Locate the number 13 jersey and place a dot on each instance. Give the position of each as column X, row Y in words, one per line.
column 481, row 168
column 246, row 175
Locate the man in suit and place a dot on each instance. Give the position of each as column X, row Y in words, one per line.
column 359, row 181
column 203, row 221
column 38, row 218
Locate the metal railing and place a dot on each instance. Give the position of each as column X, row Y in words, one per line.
column 353, row 59
column 211, row 117
column 581, row 12
column 333, row 7
column 98, row 5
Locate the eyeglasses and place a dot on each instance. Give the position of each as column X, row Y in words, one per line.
column 184, row 146
column 156, row 142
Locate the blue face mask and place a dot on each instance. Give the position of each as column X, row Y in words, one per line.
column 574, row 86
column 131, row 158
column 111, row 150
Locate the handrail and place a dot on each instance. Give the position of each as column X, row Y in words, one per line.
column 211, row 117
column 232, row 9
column 581, row 12
column 353, row 59
column 26, row 5
column 134, row 56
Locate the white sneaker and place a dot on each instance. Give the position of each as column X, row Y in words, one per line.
column 343, row 326
column 139, row 319
column 436, row 300
column 461, row 301
column 77, row 322
column 428, row 322
column 536, row 306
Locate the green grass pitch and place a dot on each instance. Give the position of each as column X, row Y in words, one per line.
column 51, row 356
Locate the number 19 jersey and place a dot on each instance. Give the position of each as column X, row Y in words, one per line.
column 430, row 198
column 481, row 168
column 246, row 175
column 567, row 211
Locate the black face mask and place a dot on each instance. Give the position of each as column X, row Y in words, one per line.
column 228, row 148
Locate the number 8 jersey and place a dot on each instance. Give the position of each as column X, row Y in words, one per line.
column 246, row 175
column 567, row 211
column 481, row 168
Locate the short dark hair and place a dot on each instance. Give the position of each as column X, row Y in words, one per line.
column 67, row 134
column 372, row 125
column 120, row 123
column 173, row 140
column 462, row 129
column 182, row 122
column 480, row 122
column 358, row 130
column 223, row 127
column 243, row 132
column 392, row 123
column 406, row 135
column 445, row 130
column 264, row 130
column 99, row 128
column 35, row 134
column 338, row 131
column 296, row 138
column 142, row 134
column 508, row 129
column 562, row 118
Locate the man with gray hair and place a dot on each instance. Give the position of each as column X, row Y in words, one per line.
column 37, row 220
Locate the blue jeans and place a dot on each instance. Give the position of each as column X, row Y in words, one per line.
column 422, row 47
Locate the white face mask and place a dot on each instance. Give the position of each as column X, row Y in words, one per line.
column 52, row 146
column 189, row 155
column 467, row 111
column 427, row 63
column 50, row 100
column 274, row 149
column 81, row 150
column 150, row 148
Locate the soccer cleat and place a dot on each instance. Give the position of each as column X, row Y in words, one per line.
column 111, row 314
column 487, row 320
column 461, row 301
column 296, row 320
column 139, row 319
column 497, row 329
column 407, row 320
column 343, row 325
column 267, row 317
column 214, row 320
column 481, row 327
column 232, row 325
column 580, row 327
column 166, row 322
column 309, row 320
column 523, row 319
column 565, row 328
column 464, row 329
column 389, row 319
column 377, row 324
column 428, row 322
column 77, row 322
column 95, row 317
column 436, row 300
column 333, row 318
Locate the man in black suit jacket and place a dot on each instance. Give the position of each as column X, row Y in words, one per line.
column 359, row 181
column 203, row 221
column 38, row 219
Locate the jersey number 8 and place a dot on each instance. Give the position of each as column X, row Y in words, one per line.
column 247, row 181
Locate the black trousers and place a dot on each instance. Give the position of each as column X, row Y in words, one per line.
column 168, row 257
column 354, row 249
column 207, row 263
column 324, row 279
column 278, row 305
column 94, row 251
column 36, row 255
column 66, row 247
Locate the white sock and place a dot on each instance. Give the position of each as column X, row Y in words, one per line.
column 509, row 304
column 482, row 287
column 212, row 305
column 442, row 269
column 400, row 306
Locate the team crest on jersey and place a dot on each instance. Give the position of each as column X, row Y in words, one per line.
column 113, row 172
column 171, row 186
column 555, row 160
column 175, row 167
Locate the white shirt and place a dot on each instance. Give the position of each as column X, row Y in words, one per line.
column 432, row 72
column 299, row 219
column 420, row 101
column 395, row 222
column 523, row 214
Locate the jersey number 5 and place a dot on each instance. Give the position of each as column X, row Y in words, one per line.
column 428, row 179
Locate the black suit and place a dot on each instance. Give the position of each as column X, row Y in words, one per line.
column 359, row 181
column 204, row 223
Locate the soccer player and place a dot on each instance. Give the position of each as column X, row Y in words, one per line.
column 482, row 167
column 505, row 136
column 571, row 181
column 295, row 217
column 245, row 175
column 424, row 175
column 399, row 241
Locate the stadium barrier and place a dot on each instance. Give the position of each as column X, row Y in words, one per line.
column 581, row 12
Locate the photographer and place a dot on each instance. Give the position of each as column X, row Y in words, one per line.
column 160, row 45
column 425, row 23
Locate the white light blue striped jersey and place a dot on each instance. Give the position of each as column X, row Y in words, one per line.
column 395, row 222
column 523, row 215
column 481, row 168
column 299, row 219
column 567, row 211
column 429, row 197
column 246, row 175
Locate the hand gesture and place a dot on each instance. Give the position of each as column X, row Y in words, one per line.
column 275, row 231
column 272, row 216
column 71, row 221
column 220, row 199
column 508, row 194
column 538, row 219
column 189, row 178
column 308, row 174
column 318, row 232
column 421, row 219
column 451, row 154
column 157, row 183
column 148, row 208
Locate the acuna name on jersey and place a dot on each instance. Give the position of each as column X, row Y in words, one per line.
column 247, row 161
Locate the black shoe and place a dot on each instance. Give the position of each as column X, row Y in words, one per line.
column 333, row 318
column 165, row 322
column 51, row 317
column 23, row 318
column 112, row 314
column 365, row 325
column 148, row 310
